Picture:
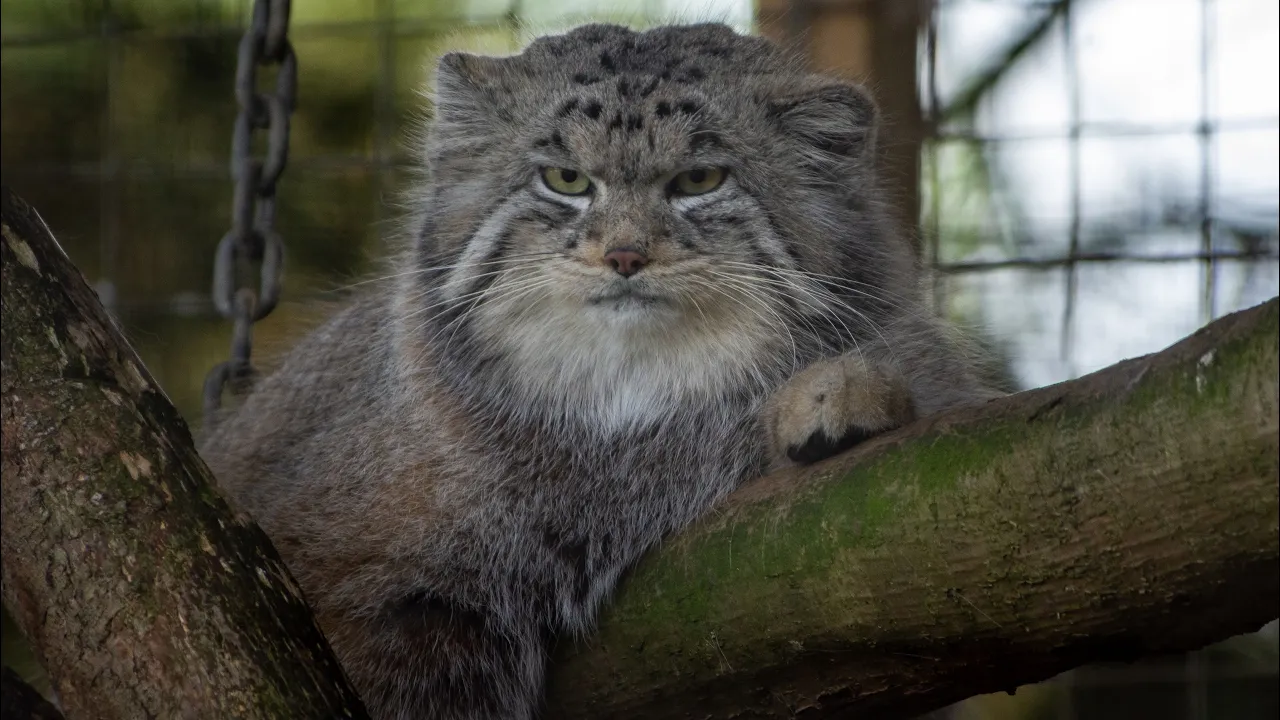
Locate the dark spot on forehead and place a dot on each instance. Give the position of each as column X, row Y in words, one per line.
column 593, row 110
column 649, row 87
column 606, row 63
column 634, row 122
column 663, row 109
column 624, row 87
column 568, row 107
column 557, row 139
column 616, row 122
column 688, row 107
column 585, row 79
column 692, row 74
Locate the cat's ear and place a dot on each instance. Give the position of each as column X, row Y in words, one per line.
column 465, row 89
column 832, row 124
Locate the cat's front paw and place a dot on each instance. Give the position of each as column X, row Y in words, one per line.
column 833, row 405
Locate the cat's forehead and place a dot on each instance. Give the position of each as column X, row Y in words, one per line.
column 634, row 101
column 680, row 54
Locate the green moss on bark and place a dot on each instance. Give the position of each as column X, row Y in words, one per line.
column 1135, row 508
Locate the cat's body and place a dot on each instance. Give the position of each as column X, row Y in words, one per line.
column 463, row 462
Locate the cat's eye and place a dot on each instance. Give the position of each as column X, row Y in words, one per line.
column 698, row 181
column 566, row 181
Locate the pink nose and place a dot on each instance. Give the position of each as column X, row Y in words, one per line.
column 625, row 261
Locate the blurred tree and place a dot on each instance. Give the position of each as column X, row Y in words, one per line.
column 1076, row 523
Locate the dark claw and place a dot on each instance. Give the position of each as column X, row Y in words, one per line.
column 820, row 446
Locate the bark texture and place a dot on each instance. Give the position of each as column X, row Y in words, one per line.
column 143, row 593
column 1129, row 512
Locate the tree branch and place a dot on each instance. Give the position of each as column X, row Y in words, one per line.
column 143, row 594
column 1129, row 512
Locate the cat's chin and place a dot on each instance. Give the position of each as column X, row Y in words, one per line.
column 629, row 302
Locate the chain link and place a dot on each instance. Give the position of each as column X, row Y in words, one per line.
column 252, row 238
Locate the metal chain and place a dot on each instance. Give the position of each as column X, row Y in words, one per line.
column 252, row 238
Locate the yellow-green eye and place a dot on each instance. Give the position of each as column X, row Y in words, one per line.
column 698, row 181
column 566, row 181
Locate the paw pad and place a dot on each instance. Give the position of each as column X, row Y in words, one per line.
column 820, row 446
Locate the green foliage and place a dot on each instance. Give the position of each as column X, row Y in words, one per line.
column 117, row 123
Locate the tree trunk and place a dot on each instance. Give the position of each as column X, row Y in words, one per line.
column 1128, row 512
column 143, row 593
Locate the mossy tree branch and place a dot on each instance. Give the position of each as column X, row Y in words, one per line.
column 1129, row 512
column 143, row 594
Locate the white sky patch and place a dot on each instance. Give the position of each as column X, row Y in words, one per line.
column 1141, row 93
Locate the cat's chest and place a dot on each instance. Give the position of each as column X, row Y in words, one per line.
column 575, row 466
column 620, row 374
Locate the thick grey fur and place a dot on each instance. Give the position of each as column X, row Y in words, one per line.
column 462, row 462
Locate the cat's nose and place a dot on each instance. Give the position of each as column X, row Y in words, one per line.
column 625, row 261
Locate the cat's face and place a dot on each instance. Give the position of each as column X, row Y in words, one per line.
column 606, row 190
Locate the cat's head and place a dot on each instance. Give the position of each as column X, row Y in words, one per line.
column 608, row 191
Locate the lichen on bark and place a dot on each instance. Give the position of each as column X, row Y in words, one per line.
column 1128, row 512
column 1131, row 511
column 142, row 591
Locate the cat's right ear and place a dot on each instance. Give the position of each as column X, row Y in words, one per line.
column 832, row 124
column 466, row 89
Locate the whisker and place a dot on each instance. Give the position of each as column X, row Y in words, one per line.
column 737, row 300
column 500, row 293
column 827, row 298
column 880, row 295
column 454, row 300
column 787, row 273
column 507, row 259
column 822, row 310
column 750, row 291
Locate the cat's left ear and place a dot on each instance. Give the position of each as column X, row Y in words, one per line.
column 466, row 89
column 833, row 124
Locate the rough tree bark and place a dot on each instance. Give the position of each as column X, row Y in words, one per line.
column 142, row 592
column 1128, row 512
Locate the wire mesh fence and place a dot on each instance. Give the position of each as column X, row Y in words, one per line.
column 1111, row 165
column 1096, row 179
column 1100, row 177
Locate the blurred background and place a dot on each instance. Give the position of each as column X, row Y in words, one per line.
column 1091, row 179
